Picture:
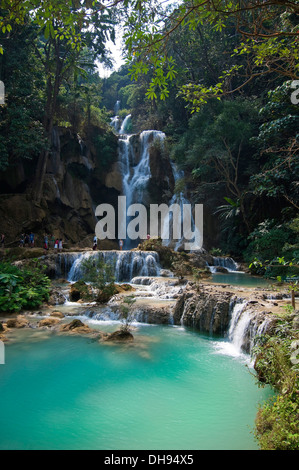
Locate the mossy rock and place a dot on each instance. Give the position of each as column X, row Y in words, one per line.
column 80, row 291
column 120, row 335
column 105, row 294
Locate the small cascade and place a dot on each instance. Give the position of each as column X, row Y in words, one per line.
column 116, row 121
column 224, row 262
column 245, row 326
column 126, row 264
column 63, row 264
column 125, row 125
column 238, row 324
column 141, row 174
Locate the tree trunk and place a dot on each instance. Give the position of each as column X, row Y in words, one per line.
column 52, row 94
column 293, row 299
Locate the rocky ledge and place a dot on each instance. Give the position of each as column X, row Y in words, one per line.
column 206, row 307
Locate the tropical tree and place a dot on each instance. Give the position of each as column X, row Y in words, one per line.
column 266, row 29
column 21, row 131
column 65, row 27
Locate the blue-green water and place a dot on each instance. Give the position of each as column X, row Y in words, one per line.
column 241, row 279
column 171, row 389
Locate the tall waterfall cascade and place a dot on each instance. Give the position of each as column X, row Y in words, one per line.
column 136, row 174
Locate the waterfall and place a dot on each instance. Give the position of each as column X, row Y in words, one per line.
column 238, row 324
column 136, row 175
column 224, row 262
column 125, row 124
column 135, row 170
column 126, row 264
column 116, row 121
column 245, row 326
column 182, row 201
column 138, row 183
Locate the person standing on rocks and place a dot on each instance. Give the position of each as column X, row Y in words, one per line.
column 22, row 240
column 26, row 240
column 46, row 245
column 31, row 239
column 95, row 243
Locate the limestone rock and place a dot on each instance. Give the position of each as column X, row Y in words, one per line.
column 205, row 311
column 120, row 335
column 19, row 322
column 57, row 314
column 56, row 297
column 77, row 327
column 48, row 322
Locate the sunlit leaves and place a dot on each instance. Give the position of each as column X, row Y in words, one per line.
column 163, row 72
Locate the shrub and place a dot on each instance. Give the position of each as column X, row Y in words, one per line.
column 22, row 287
column 277, row 420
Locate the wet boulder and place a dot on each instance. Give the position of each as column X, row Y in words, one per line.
column 120, row 335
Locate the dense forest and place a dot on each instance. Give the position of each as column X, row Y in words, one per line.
column 219, row 78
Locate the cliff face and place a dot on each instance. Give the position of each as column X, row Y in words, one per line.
column 80, row 175
column 74, row 185
column 241, row 314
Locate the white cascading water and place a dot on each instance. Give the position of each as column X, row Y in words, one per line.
column 116, row 121
column 238, row 325
column 237, row 332
column 135, row 174
column 244, row 328
column 180, row 200
column 125, row 124
column 126, row 264
column 224, row 262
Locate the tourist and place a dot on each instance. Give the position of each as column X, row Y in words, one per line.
column 2, row 240
column 95, row 242
column 56, row 244
column 46, row 245
column 60, row 244
column 121, row 243
column 22, row 240
column 26, row 240
column 148, row 236
column 31, row 237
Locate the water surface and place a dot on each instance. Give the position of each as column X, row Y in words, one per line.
column 241, row 279
column 172, row 389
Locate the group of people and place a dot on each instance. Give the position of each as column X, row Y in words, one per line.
column 57, row 243
column 29, row 240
